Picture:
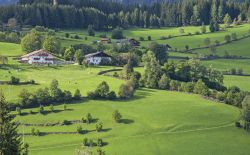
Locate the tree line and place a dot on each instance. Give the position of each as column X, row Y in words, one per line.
column 105, row 15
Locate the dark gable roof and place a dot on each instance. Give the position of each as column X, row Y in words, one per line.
column 97, row 54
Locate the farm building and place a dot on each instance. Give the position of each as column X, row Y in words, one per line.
column 38, row 57
column 98, row 58
column 132, row 42
column 105, row 40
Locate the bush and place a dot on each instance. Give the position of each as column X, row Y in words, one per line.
column 77, row 95
column 37, row 133
column 66, row 122
column 98, row 127
column 227, row 38
column 111, row 95
column 164, row 82
column 67, row 35
column 41, row 109
column 51, row 107
column 149, row 38
column 14, row 80
column 234, row 36
column 79, row 129
column 64, row 107
column 126, row 91
column 238, row 125
column 117, row 116
column 89, row 118
column 18, row 110
column 201, row 88
column 33, row 131
column 117, row 34
column 91, row 31
column 99, row 142
column 85, row 142
column 141, row 39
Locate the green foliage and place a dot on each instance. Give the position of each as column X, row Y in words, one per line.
column 152, row 73
column 79, row 57
column 164, row 82
column 160, row 52
column 117, row 116
column 14, row 80
column 10, row 140
column 117, row 34
column 79, row 129
column 89, row 118
column 126, row 90
column 227, row 38
column 31, row 42
column 203, row 28
column 98, row 127
column 91, row 31
column 51, row 107
column 246, row 112
column 69, row 53
column 227, row 20
column 52, row 44
column 201, row 88
column 77, row 95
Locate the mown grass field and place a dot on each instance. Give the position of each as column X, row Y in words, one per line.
column 161, row 122
column 154, row 121
column 69, row 77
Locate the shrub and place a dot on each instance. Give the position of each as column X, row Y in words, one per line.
column 117, row 34
column 197, row 33
column 227, row 38
column 85, row 142
column 89, row 118
column 237, row 124
column 91, row 143
column 37, row 133
column 64, row 107
column 174, row 85
column 67, row 95
column 234, row 36
column 117, row 116
column 66, row 122
column 79, row 129
column 111, row 95
column 187, row 87
column 67, row 35
column 33, row 131
column 51, row 107
column 18, row 110
column 41, row 109
column 99, row 142
column 141, row 39
column 77, row 94
column 149, row 38
column 91, row 31
column 164, row 82
column 126, row 90
column 98, row 127
column 233, row 71
column 201, row 88
column 14, row 80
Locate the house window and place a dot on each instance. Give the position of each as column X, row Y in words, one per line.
column 36, row 58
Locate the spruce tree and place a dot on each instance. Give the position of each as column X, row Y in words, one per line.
column 10, row 142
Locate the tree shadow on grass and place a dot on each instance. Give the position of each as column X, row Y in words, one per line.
column 126, row 121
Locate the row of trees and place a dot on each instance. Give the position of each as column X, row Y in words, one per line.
column 68, row 14
column 46, row 96
column 35, row 41
column 189, row 77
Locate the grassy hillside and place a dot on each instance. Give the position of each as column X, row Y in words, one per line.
column 69, row 77
column 10, row 49
column 159, row 121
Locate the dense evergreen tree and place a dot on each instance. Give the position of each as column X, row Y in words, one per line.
column 10, row 141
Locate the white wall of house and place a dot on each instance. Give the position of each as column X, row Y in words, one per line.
column 96, row 60
column 40, row 60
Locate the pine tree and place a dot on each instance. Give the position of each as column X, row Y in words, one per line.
column 227, row 20
column 10, row 142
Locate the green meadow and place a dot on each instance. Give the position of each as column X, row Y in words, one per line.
column 153, row 122
column 159, row 121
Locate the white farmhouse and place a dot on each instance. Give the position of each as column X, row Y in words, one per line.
column 98, row 58
column 38, row 57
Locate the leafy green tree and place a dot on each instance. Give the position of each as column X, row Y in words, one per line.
column 52, row 44
column 227, row 38
column 102, row 89
column 55, row 91
column 126, row 90
column 128, row 70
column 89, row 118
column 91, row 31
column 203, row 28
column 10, row 140
column 246, row 112
column 201, row 88
column 117, row 34
column 164, row 82
column 77, row 94
column 99, row 127
column 79, row 57
column 152, row 73
column 32, row 41
column 227, row 20
column 51, row 107
column 69, row 53
column 117, row 116
column 160, row 52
